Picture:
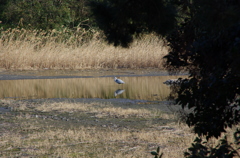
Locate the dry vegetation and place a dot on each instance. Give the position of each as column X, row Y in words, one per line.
column 107, row 137
column 74, row 129
column 37, row 49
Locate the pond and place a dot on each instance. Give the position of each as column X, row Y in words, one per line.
column 140, row 86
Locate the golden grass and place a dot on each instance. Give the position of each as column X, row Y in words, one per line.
column 102, row 110
column 86, row 141
column 25, row 133
column 36, row 49
column 90, row 140
column 85, row 107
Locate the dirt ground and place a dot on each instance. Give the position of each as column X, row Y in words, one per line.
column 54, row 74
column 132, row 128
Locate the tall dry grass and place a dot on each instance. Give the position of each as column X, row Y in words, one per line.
column 38, row 49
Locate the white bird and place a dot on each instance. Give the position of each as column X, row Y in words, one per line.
column 119, row 81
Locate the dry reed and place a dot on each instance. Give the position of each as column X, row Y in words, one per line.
column 37, row 49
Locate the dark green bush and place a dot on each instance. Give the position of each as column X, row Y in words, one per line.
column 224, row 149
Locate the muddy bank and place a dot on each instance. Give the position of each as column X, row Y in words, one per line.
column 57, row 74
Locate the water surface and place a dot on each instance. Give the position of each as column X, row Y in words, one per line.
column 138, row 86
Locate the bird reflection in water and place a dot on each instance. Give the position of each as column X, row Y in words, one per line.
column 118, row 92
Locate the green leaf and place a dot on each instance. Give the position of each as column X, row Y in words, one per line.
column 154, row 153
column 158, row 150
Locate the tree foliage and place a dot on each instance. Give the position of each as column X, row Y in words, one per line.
column 207, row 44
column 200, row 149
column 45, row 14
column 204, row 39
column 122, row 19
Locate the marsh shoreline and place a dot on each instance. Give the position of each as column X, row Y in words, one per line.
column 57, row 74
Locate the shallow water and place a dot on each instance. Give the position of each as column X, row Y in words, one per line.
column 142, row 86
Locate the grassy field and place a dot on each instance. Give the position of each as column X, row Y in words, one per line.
column 22, row 49
column 90, row 129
